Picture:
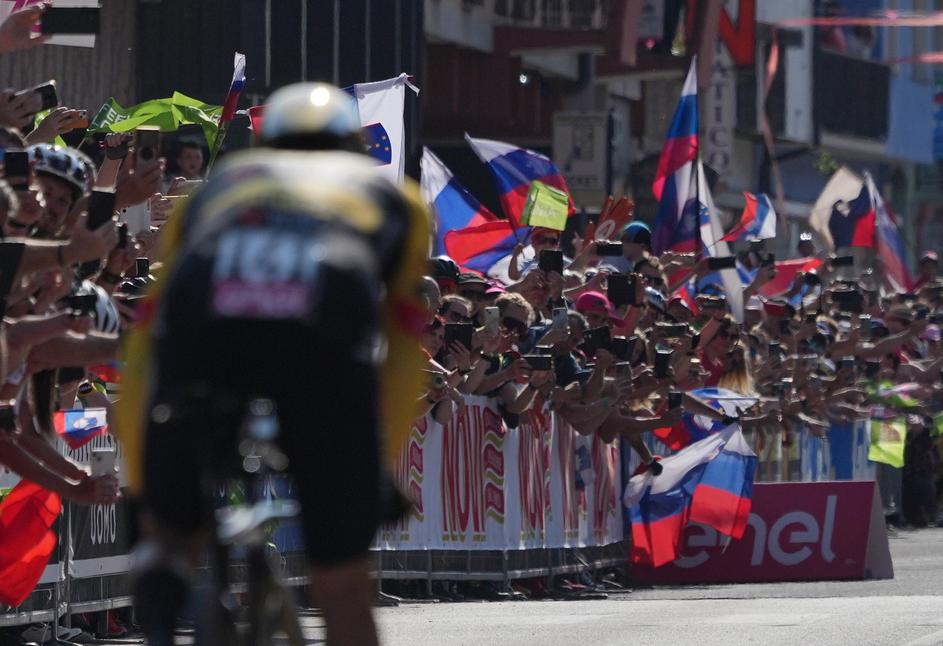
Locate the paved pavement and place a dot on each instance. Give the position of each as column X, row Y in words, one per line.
column 907, row 610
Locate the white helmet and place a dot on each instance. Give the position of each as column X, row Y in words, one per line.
column 311, row 116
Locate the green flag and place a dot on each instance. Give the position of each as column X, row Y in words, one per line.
column 546, row 207
column 887, row 442
column 167, row 114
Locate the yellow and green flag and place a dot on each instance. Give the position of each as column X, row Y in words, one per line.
column 546, row 207
column 167, row 114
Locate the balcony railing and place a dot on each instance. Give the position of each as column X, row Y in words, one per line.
column 549, row 14
column 851, row 96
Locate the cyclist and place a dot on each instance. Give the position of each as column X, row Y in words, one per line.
column 287, row 273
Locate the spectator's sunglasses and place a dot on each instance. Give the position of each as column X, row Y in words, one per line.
column 15, row 224
column 596, row 316
column 511, row 324
column 654, row 280
column 552, row 241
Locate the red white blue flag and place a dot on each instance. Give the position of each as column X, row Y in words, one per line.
column 758, row 221
column 454, row 207
column 514, row 170
column 709, row 482
column 235, row 88
column 675, row 189
column 890, row 246
column 480, row 248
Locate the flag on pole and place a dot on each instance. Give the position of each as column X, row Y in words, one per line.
column 843, row 214
column 758, row 221
column 514, row 170
column 27, row 514
column 454, row 207
column 890, row 246
column 381, row 105
column 674, row 187
column 79, row 426
column 712, row 239
column 709, row 482
column 481, row 248
column 235, row 88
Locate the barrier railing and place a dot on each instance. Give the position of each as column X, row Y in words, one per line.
column 493, row 503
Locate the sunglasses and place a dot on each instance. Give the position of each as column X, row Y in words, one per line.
column 513, row 325
column 452, row 316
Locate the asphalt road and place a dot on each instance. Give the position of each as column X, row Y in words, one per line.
column 907, row 610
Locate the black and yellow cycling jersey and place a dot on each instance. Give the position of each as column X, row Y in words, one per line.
column 340, row 190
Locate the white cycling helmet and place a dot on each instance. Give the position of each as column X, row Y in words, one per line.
column 311, row 116
column 106, row 319
column 67, row 164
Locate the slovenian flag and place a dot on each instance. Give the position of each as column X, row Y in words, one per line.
column 675, row 186
column 79, row 426
column 235, row 88
column 709, row 482
column 514, row 170
column 890, row 246
column 758, row 221
column 454, row 207
column 713, row 245
column 694, row 428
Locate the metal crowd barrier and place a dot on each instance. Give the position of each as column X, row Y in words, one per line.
column 89, row 571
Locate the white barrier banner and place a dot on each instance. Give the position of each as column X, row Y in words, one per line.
column 479, row 485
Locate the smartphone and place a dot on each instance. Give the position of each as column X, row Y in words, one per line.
column 11, row 253
column 621, row 289
column 847, row 363
column 101, row 208
column 545, row 349
column 461, row 332
column 594, row 339
column 146, row 143
column 492, row 319
column 71, row 20
column 712, row 303
column 560, row 318
column 843, row 261
column 619, row 347
column 811, row 318
column 123, row 235
column 768, row 260
column 81, row 120
column 117, row 152
column 674, row 399
column 16, row 168
column 672, row 330
column 47, row 94
column 551, row 260
column 662, row 363
column 936, row 319
column 608, row 249
column 7, row 419
column 81, row 304
column 871, row 368
column 921, row 312
column 103, row 462
column 848, row 300
column 722, row 262
column 811, row 279
column 539, row 361
column 142, row 269
column 785, row 326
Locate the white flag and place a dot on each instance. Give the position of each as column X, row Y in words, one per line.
column 381, row 107
column 712, row 239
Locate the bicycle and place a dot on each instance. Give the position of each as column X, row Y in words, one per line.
column 245, row 526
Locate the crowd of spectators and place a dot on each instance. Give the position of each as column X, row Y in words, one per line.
column 617, row 343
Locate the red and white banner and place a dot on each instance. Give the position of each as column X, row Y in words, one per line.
column 798, row 531
column 478, row 484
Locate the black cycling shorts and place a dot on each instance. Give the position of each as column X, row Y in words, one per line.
column 320, row 374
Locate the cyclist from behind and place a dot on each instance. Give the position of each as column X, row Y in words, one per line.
column 292, row 275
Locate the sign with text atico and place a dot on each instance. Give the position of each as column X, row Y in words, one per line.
column 797, row 531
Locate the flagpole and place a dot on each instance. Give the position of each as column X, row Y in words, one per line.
column 214, row 152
